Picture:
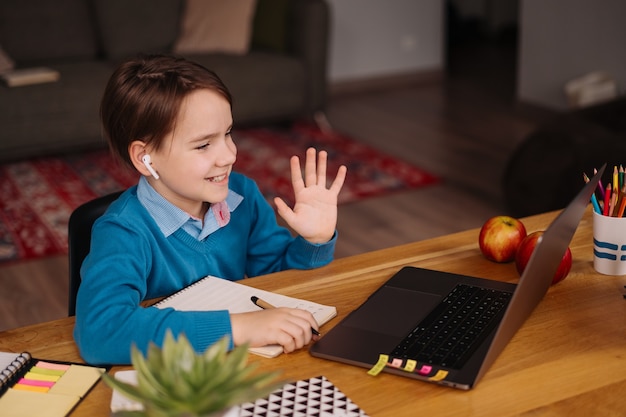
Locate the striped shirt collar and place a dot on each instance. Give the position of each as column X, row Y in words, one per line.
column 170, row 218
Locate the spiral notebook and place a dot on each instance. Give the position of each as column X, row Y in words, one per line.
column 213, row 293
column 33, row 387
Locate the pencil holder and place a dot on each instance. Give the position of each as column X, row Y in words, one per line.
column 609, row 244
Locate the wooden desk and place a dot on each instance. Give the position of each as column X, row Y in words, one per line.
column 568, row 359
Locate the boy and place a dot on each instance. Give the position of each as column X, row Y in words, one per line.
column 191, row 215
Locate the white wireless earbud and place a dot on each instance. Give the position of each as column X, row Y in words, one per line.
column 147, row 161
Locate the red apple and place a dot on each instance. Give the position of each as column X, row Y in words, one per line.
column 526, row 249
column 499, row 238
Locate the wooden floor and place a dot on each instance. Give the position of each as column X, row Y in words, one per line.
column 462, row 129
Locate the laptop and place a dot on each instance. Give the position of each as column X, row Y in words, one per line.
column 449, row 328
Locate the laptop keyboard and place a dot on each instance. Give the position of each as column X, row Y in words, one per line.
column 455, row 328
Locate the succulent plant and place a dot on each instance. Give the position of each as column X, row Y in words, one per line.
column 176, row 381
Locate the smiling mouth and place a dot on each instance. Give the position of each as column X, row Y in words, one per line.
column 219, row 178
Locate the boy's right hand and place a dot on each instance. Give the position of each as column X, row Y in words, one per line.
column 288, row 327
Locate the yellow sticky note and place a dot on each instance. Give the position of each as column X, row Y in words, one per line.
column 379, row 366
column 410, row 366
column 33, row 388
column 41, row 377
column 46, row 371
column 16, row 403
column 77, row 380
column 441, row 374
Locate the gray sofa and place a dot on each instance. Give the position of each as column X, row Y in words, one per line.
column 281, row 78
column 545, row 172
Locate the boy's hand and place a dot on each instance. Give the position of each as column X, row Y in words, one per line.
column 314, row 215
column 288, row 327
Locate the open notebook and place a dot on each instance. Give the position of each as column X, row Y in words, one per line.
column 213, row 293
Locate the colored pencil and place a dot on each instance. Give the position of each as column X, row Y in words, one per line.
column 594, row 199
column 607, row 199
column 622, row 206
column 613, row 207
column 600, row 186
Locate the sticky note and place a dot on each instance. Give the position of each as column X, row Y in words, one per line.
column 35, row 383
column 379, row 366
column 53, row 366
column 77, row 380
column 441, row 374
column 32, row 388
column 46, row 371
column 41, row 377
column 410, row 366
column 20, row 403
column 425, row 370
column 396, row 363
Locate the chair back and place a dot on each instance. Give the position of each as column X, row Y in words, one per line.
column 79, row 239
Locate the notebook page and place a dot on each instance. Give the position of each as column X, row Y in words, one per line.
column 7, row 359
column 213, row 293
column 12, row 364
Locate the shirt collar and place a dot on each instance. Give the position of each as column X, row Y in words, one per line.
column 170, row 218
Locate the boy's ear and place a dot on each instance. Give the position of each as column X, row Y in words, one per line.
column 136, row 150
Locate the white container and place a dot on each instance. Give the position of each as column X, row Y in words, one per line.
column 609, row 244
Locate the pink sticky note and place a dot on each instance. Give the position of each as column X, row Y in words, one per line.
column 396, row 363
column 425, row 369
column 36, row 383
column 54, row 366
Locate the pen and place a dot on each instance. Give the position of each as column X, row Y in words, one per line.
column 266, row 306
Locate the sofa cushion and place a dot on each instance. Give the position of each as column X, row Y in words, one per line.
column 40, row 30
column 265, row 86
column 6, row 63
column 545, row 171
column 54, row 117
column 216, row 26
column 139, row 26
column 270, row 25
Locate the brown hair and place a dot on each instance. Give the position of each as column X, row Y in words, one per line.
column 143, row 97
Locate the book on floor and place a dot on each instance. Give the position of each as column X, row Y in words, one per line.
column 28, row 76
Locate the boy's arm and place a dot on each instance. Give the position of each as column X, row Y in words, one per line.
column 109, row 315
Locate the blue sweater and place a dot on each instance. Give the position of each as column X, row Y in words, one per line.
column 131, row 261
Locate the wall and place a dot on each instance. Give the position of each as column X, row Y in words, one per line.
column 563, row 39
column 374, row 38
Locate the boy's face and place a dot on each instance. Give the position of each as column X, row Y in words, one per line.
column 196, row 159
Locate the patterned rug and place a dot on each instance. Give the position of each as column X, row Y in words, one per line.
column 37, row 196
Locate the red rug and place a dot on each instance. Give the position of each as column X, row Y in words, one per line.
column 37, row 196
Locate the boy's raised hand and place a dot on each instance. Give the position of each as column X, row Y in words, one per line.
column 314, row 215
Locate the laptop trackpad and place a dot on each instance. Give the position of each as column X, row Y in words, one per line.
column 392, row 311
